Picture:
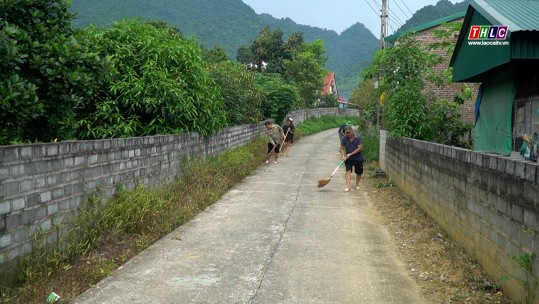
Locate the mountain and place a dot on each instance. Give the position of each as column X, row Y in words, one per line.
column 232, row 23
column 432, row 12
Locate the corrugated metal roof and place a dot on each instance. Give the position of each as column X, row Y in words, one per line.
column 473, row 62
column 518, row 15
column 425, row 26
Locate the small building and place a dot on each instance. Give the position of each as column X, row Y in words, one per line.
column 498, row 46
column 330, row 86
column 343, row 102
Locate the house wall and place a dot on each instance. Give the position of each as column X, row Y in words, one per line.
column 449, row 91
column 43, row 184
column 488, row 204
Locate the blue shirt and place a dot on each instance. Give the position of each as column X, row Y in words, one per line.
column 351, row 145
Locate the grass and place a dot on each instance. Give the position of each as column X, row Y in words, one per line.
column 105, row 235
column 371, row 143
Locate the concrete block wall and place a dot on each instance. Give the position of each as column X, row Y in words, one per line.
column 489, row 204
column 43, row 184
column 382, row 149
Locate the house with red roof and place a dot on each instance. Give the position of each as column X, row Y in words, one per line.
column 330, row 87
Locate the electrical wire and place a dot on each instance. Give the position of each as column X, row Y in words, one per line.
column 405, row 15
column 390, row 26
column 379, row 6
column 395, row 17
column 372, row 8
column 407, row 7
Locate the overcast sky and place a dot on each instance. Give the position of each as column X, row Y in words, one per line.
column 339, row 15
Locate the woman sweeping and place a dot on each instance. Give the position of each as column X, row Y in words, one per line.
column 288, row 129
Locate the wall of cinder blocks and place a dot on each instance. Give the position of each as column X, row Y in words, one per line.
column 489, row 204
column 43, row 184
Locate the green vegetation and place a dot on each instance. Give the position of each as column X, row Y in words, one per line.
column 386, row 183
column 231, row 23
column 525, row 263
column 306, row 71
column 430, row 13
column 160, row 84
column 103, row 235
column 290, row 73
column 407, row 110
column 242, row 94
column 47, row 71
column 138, row 78
column 281, row 97
column 299, row 64
column 314, row 125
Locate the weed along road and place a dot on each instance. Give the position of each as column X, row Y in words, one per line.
column 274, row 238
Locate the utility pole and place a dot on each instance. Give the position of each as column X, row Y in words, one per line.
column 383, row 33
column 383, row 29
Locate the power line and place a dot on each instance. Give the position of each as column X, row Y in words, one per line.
column 395, row 16
column 371, row 8
column 407, row 7
column 392, row 29
column 401, row 10
column 377, row 5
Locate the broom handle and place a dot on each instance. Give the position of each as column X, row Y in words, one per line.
column 340, row 164
column 286, row 135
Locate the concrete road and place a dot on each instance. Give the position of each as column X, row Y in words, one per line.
column 274, row 238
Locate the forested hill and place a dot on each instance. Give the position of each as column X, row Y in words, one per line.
column 231, row 23
column 432, row 12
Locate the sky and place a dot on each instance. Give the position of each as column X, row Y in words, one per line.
column 338, row 15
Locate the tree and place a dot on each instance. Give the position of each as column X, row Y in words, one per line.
column 307, row 75
column 281, row 98
column 294, row 43
column 47, row 71
column 266, row 52
column 161, row 85
column 299, row 63
column 408, row 111
column 328, row 101
column 306, row 71
column 405, row 66
column 365, row 98
column 245, row 55
column 214, row 55
column 243, row 96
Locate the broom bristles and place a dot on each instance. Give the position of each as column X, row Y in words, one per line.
column 323, row 182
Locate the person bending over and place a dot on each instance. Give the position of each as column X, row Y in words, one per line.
column 275, row 138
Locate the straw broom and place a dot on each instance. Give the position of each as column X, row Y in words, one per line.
column 325, row 181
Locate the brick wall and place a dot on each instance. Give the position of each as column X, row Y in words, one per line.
column 41, row 184
column 449, row 91
column 487, row 203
